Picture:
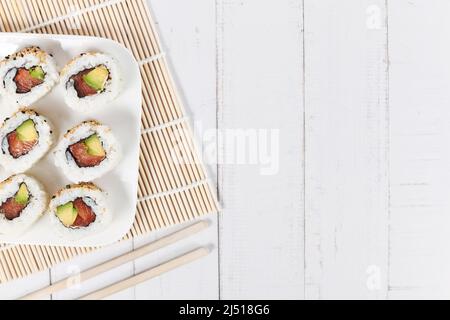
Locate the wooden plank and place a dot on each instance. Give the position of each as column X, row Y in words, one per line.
column 419, row 97
column 189, row 41
column 18, row 288
column 196, row 281
column 261, row 160
column 346, row 149
column 72, row 268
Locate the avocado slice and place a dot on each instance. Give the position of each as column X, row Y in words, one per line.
column 37, row 73
column 94, row 146
column 27, row 131
column 22, row 196
column 67, row 214
column 96, row 79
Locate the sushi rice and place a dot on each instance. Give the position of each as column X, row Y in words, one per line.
column 31, row 213
column 26, row 58
column 64, row 160
column 97, row 101
column 45, row 141
column 93, row 196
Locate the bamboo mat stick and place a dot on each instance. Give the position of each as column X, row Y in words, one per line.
column 128, row 257
column 149, row 274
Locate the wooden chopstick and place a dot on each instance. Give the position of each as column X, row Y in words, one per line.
column 111, row 264
column 147, row 275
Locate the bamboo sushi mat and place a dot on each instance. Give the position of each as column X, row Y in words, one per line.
column 173, row 186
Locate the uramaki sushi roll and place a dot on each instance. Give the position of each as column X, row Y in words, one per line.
column 25, row 138
column 23, row 200
column 91, row 81
column 87, row 152
column 27, row 76
column 78, row 211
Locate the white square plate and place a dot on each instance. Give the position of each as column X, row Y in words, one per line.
column 123, row 116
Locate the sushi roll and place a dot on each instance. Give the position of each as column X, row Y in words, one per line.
column 91, row 81
column 25, row 138
column 78, row 211
column 87, row 152
column 23, row 200
column 27, row 76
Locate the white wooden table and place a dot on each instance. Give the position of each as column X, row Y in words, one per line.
column 359, row 104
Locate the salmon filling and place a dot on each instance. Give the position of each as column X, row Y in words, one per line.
column 91, row 81
column 88, row 152
column 26, row 80
column 18, row 148
column 22, row 140
column 76, row 214
column 82, row 88
column 13, row 207
column 86, row 215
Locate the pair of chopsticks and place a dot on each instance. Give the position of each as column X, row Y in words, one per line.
column 131, row 256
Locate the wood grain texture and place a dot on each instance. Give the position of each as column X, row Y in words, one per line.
column 260, row 87
column 18, row 288
column 419, row 98
column 74, row 266
column 346, row 149
column 151, row 273
column 189, row 41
